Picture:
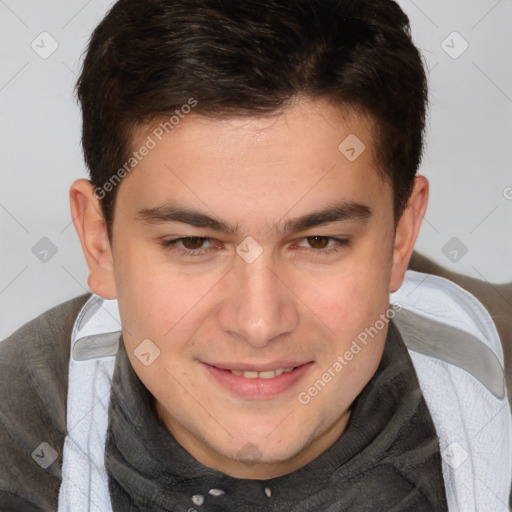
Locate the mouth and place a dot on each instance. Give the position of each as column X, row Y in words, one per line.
column 270, row 374
column 258, row 382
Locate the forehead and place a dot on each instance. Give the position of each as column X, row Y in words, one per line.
column 304, row 118
column 309, row 151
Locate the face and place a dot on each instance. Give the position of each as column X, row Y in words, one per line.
column 243, row 249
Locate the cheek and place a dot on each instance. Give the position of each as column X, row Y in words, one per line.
column 351, row 297
column 143, row 294
column 350, row 302
column 158, row 302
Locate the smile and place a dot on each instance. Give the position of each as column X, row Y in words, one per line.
column 262, row 375
column 253, row 384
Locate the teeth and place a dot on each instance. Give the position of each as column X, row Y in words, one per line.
column 262, row 375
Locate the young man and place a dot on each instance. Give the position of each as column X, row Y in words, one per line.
column 253, row 202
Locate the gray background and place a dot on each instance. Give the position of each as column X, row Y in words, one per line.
column 468, row 225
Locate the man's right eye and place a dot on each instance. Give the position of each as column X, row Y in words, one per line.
column 188, row 245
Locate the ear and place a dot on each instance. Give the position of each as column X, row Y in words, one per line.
column 92, row 231
column 407, row 231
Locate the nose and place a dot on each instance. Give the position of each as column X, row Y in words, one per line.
column 259, row 307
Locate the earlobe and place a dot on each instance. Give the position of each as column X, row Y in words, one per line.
column 407, row 231
column 92, row 231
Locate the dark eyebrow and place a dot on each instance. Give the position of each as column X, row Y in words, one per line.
column 161, row 214
column 345, row 210
column 342, row 211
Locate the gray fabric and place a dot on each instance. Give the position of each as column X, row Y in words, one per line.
column 33, row 390
column 33, row 395
column 466, row 351
column 497, row 299
column 387, row 459
column 91, row 347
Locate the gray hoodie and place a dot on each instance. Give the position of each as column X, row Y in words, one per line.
column 387, row 459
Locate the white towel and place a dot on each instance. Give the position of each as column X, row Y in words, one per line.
column 84, row 479
column 474, row 425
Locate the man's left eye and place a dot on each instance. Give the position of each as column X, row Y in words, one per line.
column 318, row 242
column 321, row 243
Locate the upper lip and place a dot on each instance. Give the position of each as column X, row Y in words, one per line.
column 262, row 367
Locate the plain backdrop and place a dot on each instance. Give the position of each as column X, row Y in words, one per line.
column 467, row 46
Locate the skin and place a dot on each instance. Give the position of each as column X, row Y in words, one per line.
column 292, row 302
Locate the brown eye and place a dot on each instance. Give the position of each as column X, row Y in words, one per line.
column 319, row 245
column 193, row 242
column 318, row 242
column 191, row 246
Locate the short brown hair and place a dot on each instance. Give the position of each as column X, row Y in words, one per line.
column 147, row 58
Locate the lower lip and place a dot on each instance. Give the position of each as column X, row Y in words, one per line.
column 257, row 388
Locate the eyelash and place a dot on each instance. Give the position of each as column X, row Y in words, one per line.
column 172, row 245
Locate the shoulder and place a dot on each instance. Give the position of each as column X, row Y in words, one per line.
column 443, row 320
column 458, row 358
column 497, row 299
column 33, row 391
column 41, row 337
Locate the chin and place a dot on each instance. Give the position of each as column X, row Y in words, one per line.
column 259, row 450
